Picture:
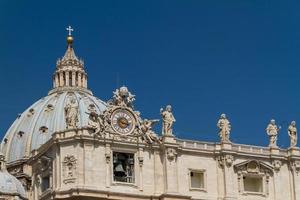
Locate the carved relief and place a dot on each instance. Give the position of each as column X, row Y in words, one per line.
column 277, row 165
column 225, row 160
column 69, row 166
column 295, row 166
column 171, row 154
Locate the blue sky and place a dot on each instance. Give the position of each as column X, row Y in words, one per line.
column 203, row 57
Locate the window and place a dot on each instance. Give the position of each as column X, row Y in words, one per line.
column 253, row 177
column 123, row 167
column 45, row 183
column 253, row 184
column 197, row 179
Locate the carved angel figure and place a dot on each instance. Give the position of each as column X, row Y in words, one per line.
column 149, row 134
column 71, row 113
column 292, row 131
column 224, row 128
column 272, row 131
column 122, row 97
column 168, row 120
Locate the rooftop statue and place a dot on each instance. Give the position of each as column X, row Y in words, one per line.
column 149, row 134
column 224, row 128
column 71, row 112
column 292, row 131
column 168, row 120
column 272, row 131
column 122, row 97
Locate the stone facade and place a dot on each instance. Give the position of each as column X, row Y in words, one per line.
column 90, row 149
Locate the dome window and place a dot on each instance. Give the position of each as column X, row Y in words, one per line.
column 31, row 112
column 5, row 140
column 20, row 134
column 43, row 129
column 49, row 108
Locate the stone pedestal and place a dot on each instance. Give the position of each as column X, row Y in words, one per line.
column 169, row 139
column 294, row 151
column 274, row 150
column 226, row 146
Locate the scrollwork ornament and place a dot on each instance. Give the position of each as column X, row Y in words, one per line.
column 277, row 165
column 295, row 166
column 225, row 160
column 171, row 154
column 229, row 160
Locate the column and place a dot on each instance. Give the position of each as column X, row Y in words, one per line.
column 61, row 79
column 79, row 80
column 67, row 78
column 108, row 155
column 84, row 81
column 73, row 78
column 171, row 173
column 56, row 80
column 141, row 162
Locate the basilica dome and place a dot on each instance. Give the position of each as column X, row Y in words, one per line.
column 10, row 185
column 37, row 123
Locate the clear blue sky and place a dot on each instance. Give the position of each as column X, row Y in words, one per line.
column 203, row 57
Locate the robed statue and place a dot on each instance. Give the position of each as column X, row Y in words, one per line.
column 292, row 131
column 71, row 112
column 168, row 120
column 224, row 129
column 272, row 131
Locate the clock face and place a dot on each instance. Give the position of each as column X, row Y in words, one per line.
column 123, row 121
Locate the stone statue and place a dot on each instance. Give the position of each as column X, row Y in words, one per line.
column 71, row 113
column 224, row 129
column 122, row 97
column 149, row 134
column 95, row 120
column 272, row 131
column 292, row 131
column 168, row 120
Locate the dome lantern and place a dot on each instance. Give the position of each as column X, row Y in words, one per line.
column 70, row 73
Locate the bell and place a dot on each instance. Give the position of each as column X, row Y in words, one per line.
column 119, row 170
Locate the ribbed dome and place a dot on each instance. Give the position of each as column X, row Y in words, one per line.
column 10, row 185
column 35, row 125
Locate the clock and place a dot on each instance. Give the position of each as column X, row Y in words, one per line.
column 123, row 121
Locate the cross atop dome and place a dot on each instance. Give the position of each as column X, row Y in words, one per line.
column 70, row 29
column 70, row 37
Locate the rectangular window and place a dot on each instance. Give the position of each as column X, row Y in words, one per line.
column 123, row 167
column 253, row 184
column 45, row 183
column 197, row 179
